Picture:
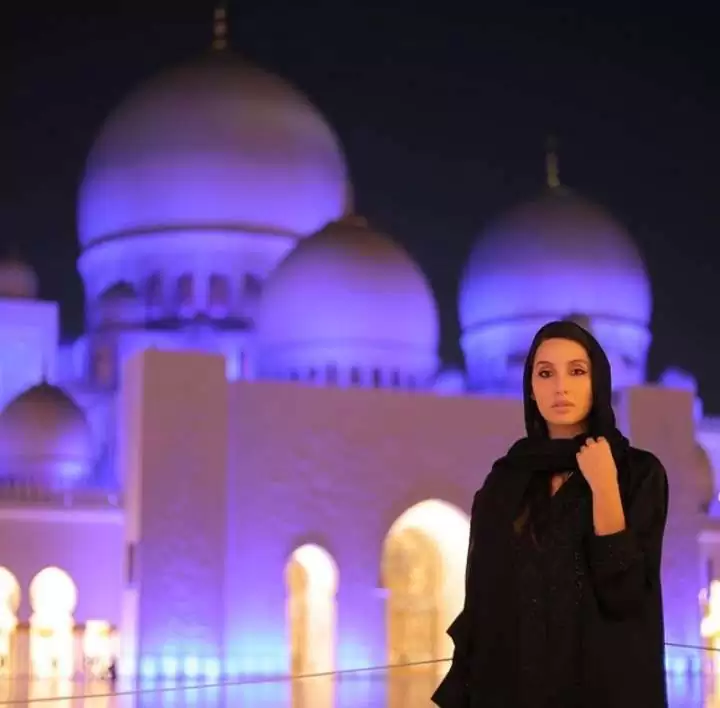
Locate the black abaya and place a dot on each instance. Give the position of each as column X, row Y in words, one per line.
column 556, row 616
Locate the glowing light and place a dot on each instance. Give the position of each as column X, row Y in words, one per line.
column 174, row 666
column 710, row 624
column 9, row 590
column 438, row 519
column 9, row 602
column 320, row 565
column 170, row 666
column 211, row 668
column 424, row 568
column 148, row 668
column 312, row 580
column 191, row 667
column 98, row 647
column 53, row 597
column 53, row 588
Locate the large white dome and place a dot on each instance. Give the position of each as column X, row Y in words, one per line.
column 553, row 256
column 218, row 144
column 349, row 299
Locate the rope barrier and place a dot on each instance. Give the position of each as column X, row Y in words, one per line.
column 181, row 686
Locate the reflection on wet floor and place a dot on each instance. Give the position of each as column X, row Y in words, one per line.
column 387, row 688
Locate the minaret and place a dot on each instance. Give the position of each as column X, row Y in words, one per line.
column 551, row 164
column 220, row 27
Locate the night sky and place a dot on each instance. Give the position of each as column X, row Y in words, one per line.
column 443, row 114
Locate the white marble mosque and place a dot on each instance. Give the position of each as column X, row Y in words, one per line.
column 215, row 216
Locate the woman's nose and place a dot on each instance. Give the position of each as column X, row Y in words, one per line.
column 561, row 384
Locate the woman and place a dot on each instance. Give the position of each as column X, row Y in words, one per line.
column 563, row 603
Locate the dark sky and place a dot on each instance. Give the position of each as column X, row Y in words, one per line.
column 443, row 114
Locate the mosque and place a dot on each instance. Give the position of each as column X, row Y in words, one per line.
column 252, row 461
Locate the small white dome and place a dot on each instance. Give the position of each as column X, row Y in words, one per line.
column 45, row 438
column 217, row 145
column 17, row 279
column 349, row 298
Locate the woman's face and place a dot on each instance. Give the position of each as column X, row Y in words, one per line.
column 562, row 386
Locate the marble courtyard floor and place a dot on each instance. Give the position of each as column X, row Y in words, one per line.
column 387, row 688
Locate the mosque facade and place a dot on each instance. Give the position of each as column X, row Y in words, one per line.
column 253, row 461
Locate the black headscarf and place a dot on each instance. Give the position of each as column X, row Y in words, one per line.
column 538, row 451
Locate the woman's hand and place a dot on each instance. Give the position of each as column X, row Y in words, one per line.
column 598, row 467
column 596, row 462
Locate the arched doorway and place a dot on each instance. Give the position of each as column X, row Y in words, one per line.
column 311, row 576
column 423, row 570
column 53, row 597
column 9, row 603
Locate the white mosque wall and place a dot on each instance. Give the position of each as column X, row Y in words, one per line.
column 173, row 436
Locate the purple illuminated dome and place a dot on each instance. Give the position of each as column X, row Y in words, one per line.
column 559, row 256
column 45, row 438
column 556, row 255
column 218, row 144
column 350, row 302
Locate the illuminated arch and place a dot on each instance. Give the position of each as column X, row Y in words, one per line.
column 9, row 590
column 423, row 570
column 9, row 603
column 53, row 588
column 311, row 576
column 53, row 597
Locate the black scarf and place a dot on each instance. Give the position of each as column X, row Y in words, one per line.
column 532, row 460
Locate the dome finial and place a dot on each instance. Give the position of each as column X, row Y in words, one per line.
column 350, row 215
column 220, row 27
column 551, row 163
column 45, row 373
column 349, row 199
